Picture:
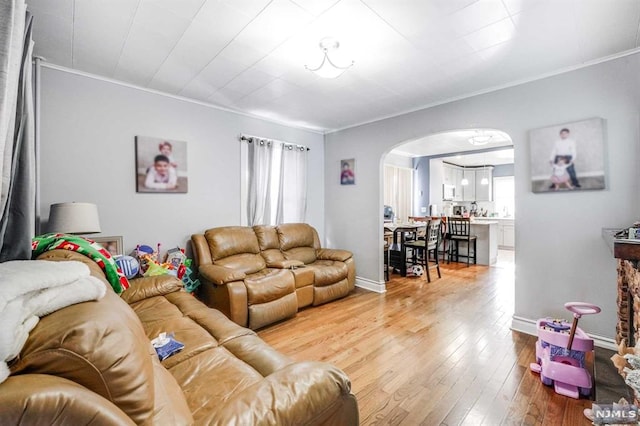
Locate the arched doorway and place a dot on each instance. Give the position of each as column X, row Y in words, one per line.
column 464, row 172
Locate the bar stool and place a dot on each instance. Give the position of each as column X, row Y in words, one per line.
column 460, row 231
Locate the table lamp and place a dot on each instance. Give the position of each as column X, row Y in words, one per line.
column 74, row 218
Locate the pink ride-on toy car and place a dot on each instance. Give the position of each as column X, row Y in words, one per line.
column 560, row 352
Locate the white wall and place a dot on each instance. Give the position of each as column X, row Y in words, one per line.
column 398, row 160
column 560, row 255
column 436, row 180
column 88, row 128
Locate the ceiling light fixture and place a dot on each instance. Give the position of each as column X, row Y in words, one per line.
column 480, row 138
column 464, row 181
column 327, row 69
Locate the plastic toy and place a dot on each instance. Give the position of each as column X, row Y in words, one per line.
column 129, row 265
column 560, row 352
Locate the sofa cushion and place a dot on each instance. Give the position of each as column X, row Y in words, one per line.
column 292, row 235
column 268, row 285
column 229, row 240
column 248, row 263
column 100, row 345
column 267, row 237
column 328, row 272
column 235, row 247
column 210, row 378
column 170, row 404
column 305, row 255
column 240, row 341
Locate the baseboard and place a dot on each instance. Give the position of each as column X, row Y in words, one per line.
column 371, row 285
column 528, row 326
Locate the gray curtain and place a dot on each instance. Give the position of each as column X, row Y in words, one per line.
column 17, row 132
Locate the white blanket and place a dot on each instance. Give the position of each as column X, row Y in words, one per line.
column 30, row 289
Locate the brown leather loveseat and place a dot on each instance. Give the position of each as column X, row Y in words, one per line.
column 264, row 274
column 93, row 363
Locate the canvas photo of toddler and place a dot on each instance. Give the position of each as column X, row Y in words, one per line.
column 161, row 165
column 568, row 157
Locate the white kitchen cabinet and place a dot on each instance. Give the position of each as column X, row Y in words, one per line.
column 449, row 177
column 469, row 191
column 458, row 182
column 509, row 239
column 484, row 192
column 506, row 234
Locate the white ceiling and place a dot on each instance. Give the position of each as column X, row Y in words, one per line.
column 249, row 55
column 492, row 158
column 451, row 143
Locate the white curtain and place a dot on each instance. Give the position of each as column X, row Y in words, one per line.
column 292, row 200
column 277, row 182
column 398, row 190
column 17, row 133
column 262, row 156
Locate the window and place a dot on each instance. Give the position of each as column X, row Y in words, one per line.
column 504, row 195
column 398, row 190
column 273, row 182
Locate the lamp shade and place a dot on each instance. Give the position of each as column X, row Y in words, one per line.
column 74, row 218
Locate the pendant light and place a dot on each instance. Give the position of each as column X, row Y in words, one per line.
column 484, row 180
column 464, row 181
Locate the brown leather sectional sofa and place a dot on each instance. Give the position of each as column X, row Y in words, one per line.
column 93, row 363
column 257, row 276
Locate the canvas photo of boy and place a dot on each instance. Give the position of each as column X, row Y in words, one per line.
column 161, row 165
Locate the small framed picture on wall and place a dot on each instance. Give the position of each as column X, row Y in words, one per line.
column 161, row 165
column 112, row 244
column 348, row 172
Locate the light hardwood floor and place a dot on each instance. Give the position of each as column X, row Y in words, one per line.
column 431, row 353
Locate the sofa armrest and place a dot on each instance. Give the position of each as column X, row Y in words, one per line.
column 146, row 287
column 334, row 254
column 201, row 252
column 220, row 275
column 300, row 393
column 284, row 264
column 44, row 399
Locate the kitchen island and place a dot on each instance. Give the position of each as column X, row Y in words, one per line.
column 486, row 231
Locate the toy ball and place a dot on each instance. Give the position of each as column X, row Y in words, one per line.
column 129, row 266
column 417, row 270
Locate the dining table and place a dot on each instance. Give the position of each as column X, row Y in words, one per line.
column 398, row 250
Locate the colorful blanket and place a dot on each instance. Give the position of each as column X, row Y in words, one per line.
column 84, row 246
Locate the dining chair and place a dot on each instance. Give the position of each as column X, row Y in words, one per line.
column 424, row 248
